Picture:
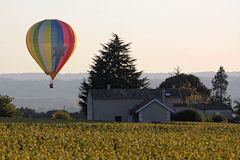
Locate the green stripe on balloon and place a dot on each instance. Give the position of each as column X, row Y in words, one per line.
column 36, row 45
column 31, row 44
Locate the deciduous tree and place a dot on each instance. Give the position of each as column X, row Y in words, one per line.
column 7, row 109
column 190, row 87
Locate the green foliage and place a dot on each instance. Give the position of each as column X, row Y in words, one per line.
column 27, row 112
column 216, row 118
column 84, row 88
column 219, row 89
column 192, row 99
column 61, row 115
column 236, row 109
column 187, row 84
column 189, row 114
column 7, row 109
column 119, row 141
column 115, row 67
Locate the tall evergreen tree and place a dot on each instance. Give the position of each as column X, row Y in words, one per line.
column 84, row 88
column 219, row 88
column 115, row 67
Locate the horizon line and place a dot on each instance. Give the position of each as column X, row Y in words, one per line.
column 143, row 72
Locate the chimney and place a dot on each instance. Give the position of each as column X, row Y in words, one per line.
column 108, row 86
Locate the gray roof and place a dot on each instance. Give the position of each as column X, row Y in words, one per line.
column 205, row 106
column 130, row 93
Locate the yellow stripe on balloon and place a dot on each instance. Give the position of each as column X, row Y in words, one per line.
column 75, row 40
column 48, row 49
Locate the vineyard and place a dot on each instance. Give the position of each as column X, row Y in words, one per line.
column 82, row 140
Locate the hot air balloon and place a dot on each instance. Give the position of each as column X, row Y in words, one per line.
column 51, row 43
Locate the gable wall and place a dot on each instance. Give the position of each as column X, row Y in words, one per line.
column 154, row 113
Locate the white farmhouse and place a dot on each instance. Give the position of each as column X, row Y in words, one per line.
column 132, row 105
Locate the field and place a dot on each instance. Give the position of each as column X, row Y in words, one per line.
column 37, row 139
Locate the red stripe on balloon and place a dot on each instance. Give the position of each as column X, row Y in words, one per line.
column 69, row 40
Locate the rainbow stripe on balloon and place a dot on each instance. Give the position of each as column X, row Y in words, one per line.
column 51, row 43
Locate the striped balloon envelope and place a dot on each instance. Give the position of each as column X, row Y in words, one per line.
column 51, row 43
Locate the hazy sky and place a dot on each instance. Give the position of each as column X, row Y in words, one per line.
column 197, row 35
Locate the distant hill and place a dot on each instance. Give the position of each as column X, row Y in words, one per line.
column 41, row 76
column 31, row 89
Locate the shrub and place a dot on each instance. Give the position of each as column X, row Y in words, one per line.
column 61, row 115
column 217, row 118
column 189, row 114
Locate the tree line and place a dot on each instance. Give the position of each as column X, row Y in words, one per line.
column 7, row 109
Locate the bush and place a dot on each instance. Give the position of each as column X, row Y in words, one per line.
column 61, row 115
column 217, row 118
column 189, row 114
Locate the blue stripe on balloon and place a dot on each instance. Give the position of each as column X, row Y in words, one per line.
column 60, row 42
column 54, row 38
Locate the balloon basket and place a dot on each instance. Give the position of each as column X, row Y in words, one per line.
column 51, row 85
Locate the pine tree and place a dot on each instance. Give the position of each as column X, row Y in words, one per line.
column 113, row 67
column 219, row 88
column 84, row 88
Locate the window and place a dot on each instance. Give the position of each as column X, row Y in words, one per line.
column 168, row 94
column 118, row 118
